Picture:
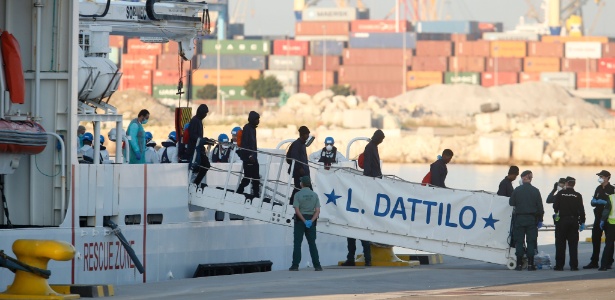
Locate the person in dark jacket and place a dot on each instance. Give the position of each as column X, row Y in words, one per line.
column 528, row 219
column 371, row 164
column 195, row 131
column 298, row 152
column 599, row 200
column 438, row 168
column 557, row 187
column 569, row 205
column 249, row 156
column 506, row 188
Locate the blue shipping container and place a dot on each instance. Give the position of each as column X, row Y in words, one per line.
column 382, row 40
column 232, row 62
column 332, row 48
column 464, row 27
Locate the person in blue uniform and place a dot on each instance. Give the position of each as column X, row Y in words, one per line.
column 599, row 200
column 569, row 206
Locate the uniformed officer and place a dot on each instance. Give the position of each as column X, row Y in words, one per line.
column 528, row 219
column 569, row 205
column 599, row 200
column 307, row 209
column 608, row 224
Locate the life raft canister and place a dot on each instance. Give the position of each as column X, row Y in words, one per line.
column 13, row 70
column 22, row 137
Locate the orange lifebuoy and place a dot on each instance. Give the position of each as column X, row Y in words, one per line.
column 13, row 70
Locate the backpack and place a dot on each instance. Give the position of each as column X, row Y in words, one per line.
column 361, row 160
column 239, row 135
column 426, row 179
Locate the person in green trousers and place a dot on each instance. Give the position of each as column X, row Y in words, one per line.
column 307, row 209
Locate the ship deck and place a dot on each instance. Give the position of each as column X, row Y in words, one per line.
column 459, row 278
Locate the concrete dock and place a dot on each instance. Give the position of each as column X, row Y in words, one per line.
column 459, row 278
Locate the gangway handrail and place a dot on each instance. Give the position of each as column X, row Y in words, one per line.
column 352, row 141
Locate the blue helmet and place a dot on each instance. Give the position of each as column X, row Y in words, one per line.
column 173, row 136
column 186, row 126
column 223, row 138
column 102, row 139
column 329, row 140
column 148, row 136
column 88, row 137
column 235, row 130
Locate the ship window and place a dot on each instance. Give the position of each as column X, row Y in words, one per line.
column 154, row 219
column 132, row 219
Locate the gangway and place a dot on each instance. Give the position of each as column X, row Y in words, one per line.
column 389, row 210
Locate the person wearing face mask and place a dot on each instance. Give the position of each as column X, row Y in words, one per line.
column 569, row 206
column 557, row 187
column 529, row 212
column 249, row 156
column 136, row 137
column 234, row 133
column 599, row 200
column 439, row 170
column 298, row 152
column 327, row 155
column 151, row 157
column 506, row 188
column 222, row 151
column 168, row 152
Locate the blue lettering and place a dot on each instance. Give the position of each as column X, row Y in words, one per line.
column 388, row 205
column 414, row 202
column 349, row 203
column 448, row 216
column 463, row 210
column 429, row 205
column 440, row 213
column 399, row 208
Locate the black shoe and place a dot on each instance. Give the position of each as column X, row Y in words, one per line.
column 348, row 263
column 368, row 264
column 558, row 269
column 609, row 266
column 318, row 269
column 293, row 268
column 203, row 185
column 519, row 268
column 574, row 269
column 591, row 266
column 531, row 267
column 602, row 269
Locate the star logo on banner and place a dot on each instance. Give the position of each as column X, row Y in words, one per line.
column 332, row 198
column 490, row 222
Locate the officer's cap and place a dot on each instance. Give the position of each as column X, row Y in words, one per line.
column 604, row 173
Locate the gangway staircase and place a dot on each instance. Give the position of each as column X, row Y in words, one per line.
column 459, row 223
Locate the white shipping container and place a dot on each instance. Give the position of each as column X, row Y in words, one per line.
column 329, row 14
column 115, row 55
column 286, row 62
column 511, row 36
column 286, row 78
column 291, row 89
column 564, row 79
column 583, row 50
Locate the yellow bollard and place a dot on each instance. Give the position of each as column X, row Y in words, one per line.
column 383, row 256
column 37, row 253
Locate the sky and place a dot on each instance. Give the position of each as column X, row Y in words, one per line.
column 275, row 17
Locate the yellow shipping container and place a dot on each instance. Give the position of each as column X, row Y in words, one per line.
column 564, row 39
column 541, row 64
column 227, row 77
column 417, row 79
column 508, row 49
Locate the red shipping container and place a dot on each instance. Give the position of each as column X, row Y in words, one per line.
column 608, row 50
column 316, row 78
column 504, row 64
column 310, row 89
column 594, row 80
column 434, row 48
column 172, row 47
column 371, row 74
column 489, row 79
column 430, row 63
column 135, row 46
column 384, row 90
column 461, row 37
column 171, row 62
column 542, row 49
column 116, row 41
column 579, row 65
column 466, row 64
column 313, row 63
column 320, row 28
column 137, row 76
column 606, row 65
column 291, row 47
column 379, row 26
column 166, row 77
column 541, row 64
column 139, row 62
column 381, row 57
column 529, row 77
column 473, row 48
